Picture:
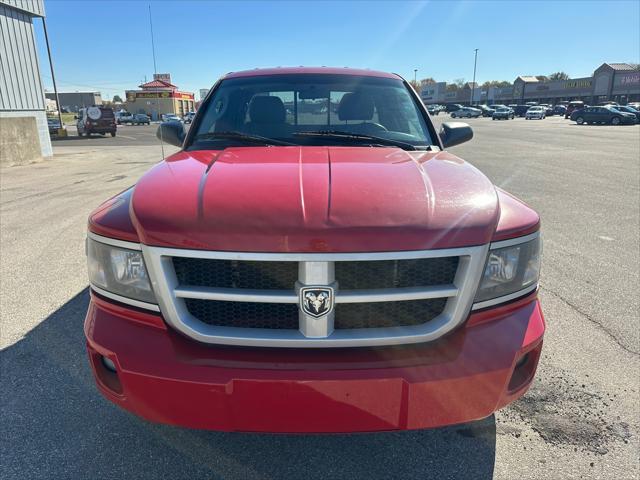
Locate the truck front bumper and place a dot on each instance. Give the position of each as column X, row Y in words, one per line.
column 165, row 377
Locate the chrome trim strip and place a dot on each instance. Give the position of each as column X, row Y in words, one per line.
column 121, row 299
column 396, row 294
column 514, row 241
column 164, row 282
column 237, row 295
column 505, row 298
column 308, row 257
column 113, row 241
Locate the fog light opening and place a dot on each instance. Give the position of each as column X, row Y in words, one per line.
column 109, row 365
column 524, row 370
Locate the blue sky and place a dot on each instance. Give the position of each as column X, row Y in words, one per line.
column 199, row 41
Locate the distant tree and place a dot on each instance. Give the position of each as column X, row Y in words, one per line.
column 452, row 87
column 416, row 85
column 542, row 78
column 116, row 98
column 558, row 76
column 495, row 83
column 427, row 81
column 459, row 82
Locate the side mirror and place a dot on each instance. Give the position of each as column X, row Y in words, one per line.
column 171, row 132
column 455, row 133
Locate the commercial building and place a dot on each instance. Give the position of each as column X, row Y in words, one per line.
column 159, row 97
column 619, row 82
column 74, row 101
column 24, row 135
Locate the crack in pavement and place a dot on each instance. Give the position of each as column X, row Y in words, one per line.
column 590, row 319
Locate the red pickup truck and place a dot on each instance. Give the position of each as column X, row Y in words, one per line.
column 313, row 260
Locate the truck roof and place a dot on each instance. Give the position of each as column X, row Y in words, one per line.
column 310, row 70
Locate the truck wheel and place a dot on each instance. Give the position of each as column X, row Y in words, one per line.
column 113, row 134
column 615, row 121
column 579, row 120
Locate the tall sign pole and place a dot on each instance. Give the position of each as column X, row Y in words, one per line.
column 473, row 85
column 61, row 130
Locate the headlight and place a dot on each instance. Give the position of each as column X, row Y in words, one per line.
column 119, row 270
column 510, row 269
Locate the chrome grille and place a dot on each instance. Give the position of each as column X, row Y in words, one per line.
column 252, row 298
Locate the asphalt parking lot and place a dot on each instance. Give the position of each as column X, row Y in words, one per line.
column 581, row 418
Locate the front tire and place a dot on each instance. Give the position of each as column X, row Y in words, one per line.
column 615, row 121
column 580, row 121
column 113, row 134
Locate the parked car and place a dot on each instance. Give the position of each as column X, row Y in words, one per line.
column 136, row 119
column 548, row 109
column 54, row 125
column 123, row 117
column 535, row 112
column 635, row 105
column 521, row 110
column 572, row 106
column 96, row 119
column 188, row 117
column 559, row 110
column 486, row 111
column 628, row 109
column 452, row 107
column 602, row 115
column 224, row 296
column 503, row 113
column 466, row 112
column 170, row 117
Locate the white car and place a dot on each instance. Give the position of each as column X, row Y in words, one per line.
column 466, row 112
column 170, row 117
column 536, row 112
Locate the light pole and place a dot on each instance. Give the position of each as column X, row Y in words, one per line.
column 415, row 76
column 473, row 85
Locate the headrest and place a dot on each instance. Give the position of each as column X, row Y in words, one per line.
column 267, row 110
column 355, row 106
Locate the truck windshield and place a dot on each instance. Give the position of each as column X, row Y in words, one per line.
column 312, row 109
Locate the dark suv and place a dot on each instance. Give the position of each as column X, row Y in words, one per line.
column 96, row 120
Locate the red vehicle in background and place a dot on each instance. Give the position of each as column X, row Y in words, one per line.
column 573, row 106
column 313, row 260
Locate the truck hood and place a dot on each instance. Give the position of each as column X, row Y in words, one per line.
column 314, row 199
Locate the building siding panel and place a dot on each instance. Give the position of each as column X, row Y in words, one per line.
column 34, row 7
column 19, row 70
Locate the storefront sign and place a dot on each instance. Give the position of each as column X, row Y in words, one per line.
column 132, row 96
column 577, row 84
column 630, row 79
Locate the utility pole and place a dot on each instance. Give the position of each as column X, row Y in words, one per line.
column 415, row 76
column 155, row 71
column 473, row 85
column 61, row 131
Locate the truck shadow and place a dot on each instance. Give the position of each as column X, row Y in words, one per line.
column 55, row 424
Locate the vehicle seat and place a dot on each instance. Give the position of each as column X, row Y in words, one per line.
column 357, row 107
column 267, row 117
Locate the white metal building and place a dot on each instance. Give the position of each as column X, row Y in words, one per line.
column 21, row 90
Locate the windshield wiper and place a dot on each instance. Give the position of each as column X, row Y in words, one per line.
column 243, row 137
column 356, row 136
